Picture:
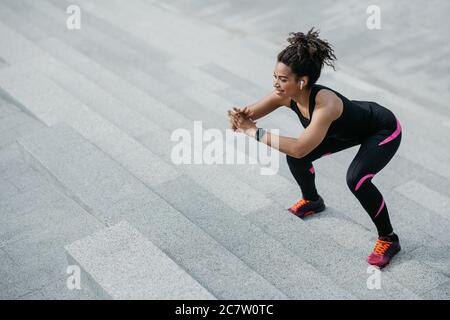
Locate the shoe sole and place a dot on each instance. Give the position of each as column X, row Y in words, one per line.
column 309, row 213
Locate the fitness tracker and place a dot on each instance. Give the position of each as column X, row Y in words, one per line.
column 259, row 134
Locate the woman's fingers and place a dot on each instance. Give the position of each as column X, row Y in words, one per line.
column 235, row 116
column 234, row 121
column 245, row 111
column 238, row 117
column 231, row 113
column 239, row 112
column 236, row 111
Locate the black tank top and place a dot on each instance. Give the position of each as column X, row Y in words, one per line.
column 359, row 119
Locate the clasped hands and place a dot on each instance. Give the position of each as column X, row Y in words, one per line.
column 240, row 121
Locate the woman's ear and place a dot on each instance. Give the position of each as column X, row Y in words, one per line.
column 303, row 82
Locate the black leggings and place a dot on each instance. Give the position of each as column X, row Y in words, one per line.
column 373, row 155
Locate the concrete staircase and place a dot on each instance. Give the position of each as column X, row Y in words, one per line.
column 88, row 117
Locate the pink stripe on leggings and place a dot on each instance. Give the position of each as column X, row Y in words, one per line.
column 379, row 210
column 358, row 185
column 393, row 135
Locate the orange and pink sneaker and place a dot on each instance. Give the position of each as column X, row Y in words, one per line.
column 385, row 249
column 304, row 208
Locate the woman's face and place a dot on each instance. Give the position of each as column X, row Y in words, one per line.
column 284, row 81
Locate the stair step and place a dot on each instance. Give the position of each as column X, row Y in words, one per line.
column 10, row 18
column 123, row 264
column 82, row 119
column 142, row 79
column 261, row 252
column 418, row 215
column 434, row 254
column 44, row 100
column 346, row 268
column 7, row 109
column 441, row 292
column 15, row 47
column 7, row 189
column 140, row 101
column 436, row 202
column 179, row 47
column 135, row 159
column 415, row 275
column 112, row 194
column 75, row 165
column 37, row 63
column 36, row 222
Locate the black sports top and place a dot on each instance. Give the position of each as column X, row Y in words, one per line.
column 359, row 119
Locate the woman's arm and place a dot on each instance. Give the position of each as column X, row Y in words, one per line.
column 310, row 138
column 326, row 111
column 266, row 105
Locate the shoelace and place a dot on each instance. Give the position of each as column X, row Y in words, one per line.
column 300, row 203
column 381, row 246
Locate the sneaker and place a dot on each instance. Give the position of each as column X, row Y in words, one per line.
column 304, row 208
column 385, row 249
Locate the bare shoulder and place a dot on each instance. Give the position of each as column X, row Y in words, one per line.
column 328, row 101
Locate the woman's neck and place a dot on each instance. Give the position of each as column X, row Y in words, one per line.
column 302, row 98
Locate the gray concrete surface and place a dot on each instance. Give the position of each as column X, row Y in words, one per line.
column 86, row 118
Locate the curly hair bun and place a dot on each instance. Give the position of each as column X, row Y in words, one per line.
column 306, row 54
column 311, row 46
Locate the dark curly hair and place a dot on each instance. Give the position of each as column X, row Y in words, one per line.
column 307, row 54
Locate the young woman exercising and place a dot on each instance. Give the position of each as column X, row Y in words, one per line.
column 332, row 123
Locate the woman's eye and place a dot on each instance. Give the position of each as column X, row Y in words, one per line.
column 281, row 80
